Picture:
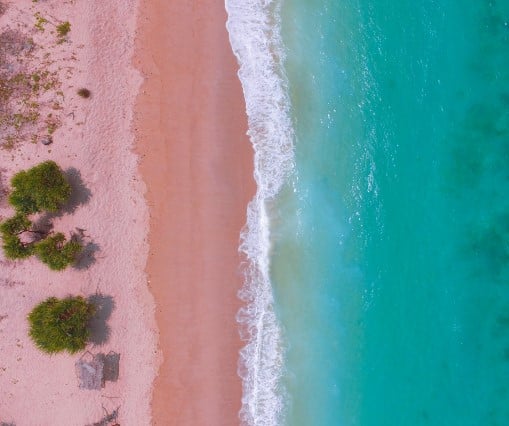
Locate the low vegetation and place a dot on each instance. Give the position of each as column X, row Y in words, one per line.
column 57, row 252
column 40, row 22
column 31, row 105
column 41, row 189
column 63, row 29
column 58, row 325
column 29, row 87
column 10, row 231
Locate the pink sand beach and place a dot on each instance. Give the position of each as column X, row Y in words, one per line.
column 162, row 172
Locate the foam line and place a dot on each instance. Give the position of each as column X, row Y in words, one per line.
column 254, row 29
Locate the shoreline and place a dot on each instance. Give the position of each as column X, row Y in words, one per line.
column 197, row 164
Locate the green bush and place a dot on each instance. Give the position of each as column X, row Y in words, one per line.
column 15, row 225
column 61, row 324
column 14, row 248
column 41, row 188
column 12, row 245
column 56, row 252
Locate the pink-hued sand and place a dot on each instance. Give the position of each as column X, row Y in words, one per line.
column 198, row 166
column 95, row 138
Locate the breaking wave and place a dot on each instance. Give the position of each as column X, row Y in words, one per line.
column 254, row 29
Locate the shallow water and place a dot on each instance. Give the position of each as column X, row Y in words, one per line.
column 389, row 235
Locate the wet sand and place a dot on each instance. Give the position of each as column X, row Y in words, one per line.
column 197, row 165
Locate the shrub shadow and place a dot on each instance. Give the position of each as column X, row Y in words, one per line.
column 87, row 257
column 99, row 328
column 80, row 194
column 42, row 225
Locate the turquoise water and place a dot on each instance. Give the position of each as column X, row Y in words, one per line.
column 390, row 236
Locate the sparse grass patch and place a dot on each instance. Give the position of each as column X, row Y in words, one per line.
column 40, row 22
column 19, row 119
column 63, row 29
column 28, row 88
column 9, row 142
column 52, row 124
column 36, row 79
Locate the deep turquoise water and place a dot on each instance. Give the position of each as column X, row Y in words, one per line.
column 390, row 238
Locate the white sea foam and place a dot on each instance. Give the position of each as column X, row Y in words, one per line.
column 254, row 29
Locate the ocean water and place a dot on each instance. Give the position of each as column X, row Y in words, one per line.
column 377, row 246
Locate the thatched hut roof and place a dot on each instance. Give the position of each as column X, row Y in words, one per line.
column 89, row 369
column 93, row 370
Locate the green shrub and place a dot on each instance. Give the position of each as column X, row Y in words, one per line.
column 41, row 188
column 15, row 225
column 56, row 252
column 12, row 245
column 14, row 248
column 61, row 324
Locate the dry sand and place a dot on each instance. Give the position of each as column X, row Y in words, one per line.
column 197, row 164
column 94, row 138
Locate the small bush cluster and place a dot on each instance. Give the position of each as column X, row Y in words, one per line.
column 42, row 188
column 61, row 324
column 55, row 325
column 56, row 252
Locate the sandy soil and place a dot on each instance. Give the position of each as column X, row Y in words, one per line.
column 197, row 163
column 93, row 143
